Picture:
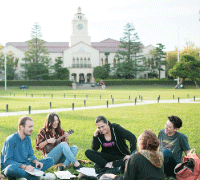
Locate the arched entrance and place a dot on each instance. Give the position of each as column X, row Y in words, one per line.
column 81, row 78
column 89, row 77
column 74, row 76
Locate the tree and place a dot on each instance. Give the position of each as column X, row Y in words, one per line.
column 171, row 60
column 188, row 67
column 158, row 56
column 107, row 54
column 100, row 72
column 191, row 50
column 107, row 68
column 172, row 56
column 59, row 72
column 36, row 56
column 11, row 64
column 125, row 70
column 152, row 67
column 130, row 54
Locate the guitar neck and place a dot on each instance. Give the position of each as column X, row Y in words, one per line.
column 68, row 132
column 60, row 137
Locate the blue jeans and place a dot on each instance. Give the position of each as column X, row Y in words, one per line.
column 62, row 153
column 15, row 171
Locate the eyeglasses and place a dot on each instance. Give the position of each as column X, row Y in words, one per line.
column 53, row 114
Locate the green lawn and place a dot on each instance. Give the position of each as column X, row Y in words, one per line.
column 134, row 118
column 63, row 97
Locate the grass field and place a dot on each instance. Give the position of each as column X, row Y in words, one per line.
column 63, row 97
column 135, row 118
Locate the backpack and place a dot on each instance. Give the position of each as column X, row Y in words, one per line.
column 189, row 169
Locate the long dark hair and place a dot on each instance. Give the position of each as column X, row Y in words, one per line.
column 48, row 125
column 102, row 118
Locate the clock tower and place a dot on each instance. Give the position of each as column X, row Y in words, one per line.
column 79, row 29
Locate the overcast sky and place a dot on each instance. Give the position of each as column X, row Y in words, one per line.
column 155, row 21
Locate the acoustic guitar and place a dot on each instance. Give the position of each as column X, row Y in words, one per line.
column 50, row 146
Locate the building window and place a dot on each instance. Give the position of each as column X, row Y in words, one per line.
column 85, row 63
column 77, row 62
column 81, row 62
column 89, row 64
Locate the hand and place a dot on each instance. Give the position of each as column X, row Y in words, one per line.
column 51, row 140
column 38, row 164
column 29, row 168
column 112, row 176
column 127, row 157
column 109, row 165
column 96, row 132
column 66, row 135
column 1, row 177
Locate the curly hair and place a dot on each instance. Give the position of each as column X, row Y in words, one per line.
column 149, row 141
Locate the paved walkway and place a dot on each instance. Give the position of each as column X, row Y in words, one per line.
column 99, row 107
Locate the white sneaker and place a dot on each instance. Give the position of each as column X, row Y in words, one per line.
column 47, row 176
column 21, row 179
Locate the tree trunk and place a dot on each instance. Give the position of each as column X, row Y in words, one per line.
column 177, row 86
column 196, row 84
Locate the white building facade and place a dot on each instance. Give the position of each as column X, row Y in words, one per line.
column 79, row 55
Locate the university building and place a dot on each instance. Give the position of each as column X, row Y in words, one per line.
column 79, row 55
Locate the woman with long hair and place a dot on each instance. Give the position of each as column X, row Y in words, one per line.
column 47, row 142
column 112, row 140
column 146, row 163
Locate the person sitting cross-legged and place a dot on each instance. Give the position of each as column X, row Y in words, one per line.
column 60, row 151
column 17, row 156
column 146, row 163
column 172, row 144
column 111, row 137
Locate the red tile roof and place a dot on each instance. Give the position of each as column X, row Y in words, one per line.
column 107, row 45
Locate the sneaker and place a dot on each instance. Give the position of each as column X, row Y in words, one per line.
column 60, row 168
column 78, row 167
column 49, row 176
column 21, row 179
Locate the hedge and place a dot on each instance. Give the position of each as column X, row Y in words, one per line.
column 37, row 83
column 114, row 82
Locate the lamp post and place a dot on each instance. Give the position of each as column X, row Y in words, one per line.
column 5, row 64
column 178, row 55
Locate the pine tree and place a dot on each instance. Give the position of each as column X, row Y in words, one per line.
column 11, row 64
column 158, row 56
column 36, row 62
column 130, row 54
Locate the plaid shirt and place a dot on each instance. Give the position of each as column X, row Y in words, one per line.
column 43, row 136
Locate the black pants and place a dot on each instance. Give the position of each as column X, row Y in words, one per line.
column 102, row 159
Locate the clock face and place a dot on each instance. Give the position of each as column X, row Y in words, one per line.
column 80, row 26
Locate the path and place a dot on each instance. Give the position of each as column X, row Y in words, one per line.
column 98, row 107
